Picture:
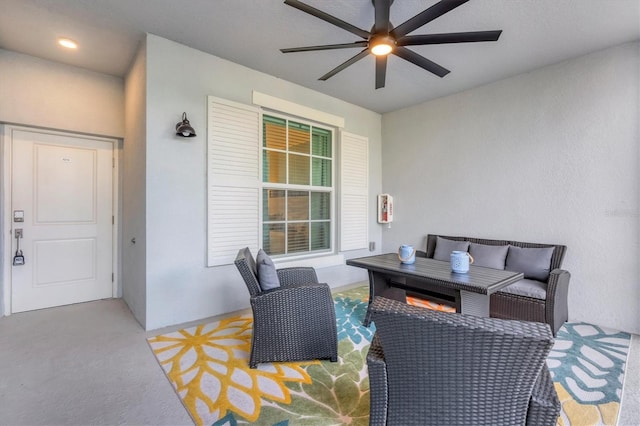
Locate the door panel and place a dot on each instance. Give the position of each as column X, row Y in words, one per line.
column 64, row 184
column 64, row 261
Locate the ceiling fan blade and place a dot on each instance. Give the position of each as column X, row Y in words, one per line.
column 342, row 66
column 381, row 70
column 425, row 16
column 381, row 25
column 420, row 61
column 468, row 37
column 325, row 47
column 328, row 18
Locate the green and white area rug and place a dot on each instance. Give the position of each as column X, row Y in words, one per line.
column 208, row 367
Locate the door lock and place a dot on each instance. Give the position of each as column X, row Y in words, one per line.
column 18, row 215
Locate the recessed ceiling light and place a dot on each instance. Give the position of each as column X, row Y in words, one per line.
column 68, row 43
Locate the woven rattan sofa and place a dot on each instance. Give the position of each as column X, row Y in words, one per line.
column 294, row 322
column 550, row 306
column 436, row 368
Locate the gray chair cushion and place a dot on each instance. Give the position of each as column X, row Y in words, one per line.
column 534, row 263
column 444, row 248
column 488, row 256
column 528, row 288
column 267, row 274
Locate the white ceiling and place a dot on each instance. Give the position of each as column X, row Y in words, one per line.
column 251, row 32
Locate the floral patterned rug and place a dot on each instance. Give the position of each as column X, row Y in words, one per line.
column 208, row 367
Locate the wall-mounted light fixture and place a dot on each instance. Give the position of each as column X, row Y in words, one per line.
column 184, row 129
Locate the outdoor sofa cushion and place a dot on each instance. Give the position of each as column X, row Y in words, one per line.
column 534, row 263
column 444, row 248
column 488, row 256
column 528, row 288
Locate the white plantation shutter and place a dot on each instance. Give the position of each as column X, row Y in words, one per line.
column 233, row 180
column 354, row 192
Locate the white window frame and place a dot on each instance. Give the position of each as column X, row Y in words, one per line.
column 293, row 187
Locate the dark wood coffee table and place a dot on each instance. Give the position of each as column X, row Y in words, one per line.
column 469, row 292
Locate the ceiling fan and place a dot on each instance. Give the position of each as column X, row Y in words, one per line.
column 385, row 39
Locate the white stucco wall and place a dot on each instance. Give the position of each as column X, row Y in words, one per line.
column 37, row 92
column 134, row 167
column 179, row 287
column 550, row 156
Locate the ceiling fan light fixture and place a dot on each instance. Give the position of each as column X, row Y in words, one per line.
column 381, row 45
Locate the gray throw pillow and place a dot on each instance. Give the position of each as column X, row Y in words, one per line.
column 444, row 248
column 488, row 256
column 534, row 263
column 267, row 275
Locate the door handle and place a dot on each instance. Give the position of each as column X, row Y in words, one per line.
column 18, row 259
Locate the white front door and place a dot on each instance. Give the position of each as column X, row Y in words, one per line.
column 62, row 186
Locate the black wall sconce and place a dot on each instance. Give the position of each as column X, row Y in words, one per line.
column 184, row 129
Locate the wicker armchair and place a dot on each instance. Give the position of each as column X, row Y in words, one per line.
column 553, row 309
column 434, row 368
column 294, row 322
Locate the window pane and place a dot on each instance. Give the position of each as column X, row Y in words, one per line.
column 274, row 133
column 298, row 205
column 273, row 205
column 320, row 235
column 273, row 238
column 299, row 137
column 274, row 167
column 320, row 205
column 321, row 142
column 321, row 172
column 298, row 169
column 297, row 237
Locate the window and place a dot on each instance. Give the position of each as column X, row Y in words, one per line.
column 271, row 183
column 297, row 187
